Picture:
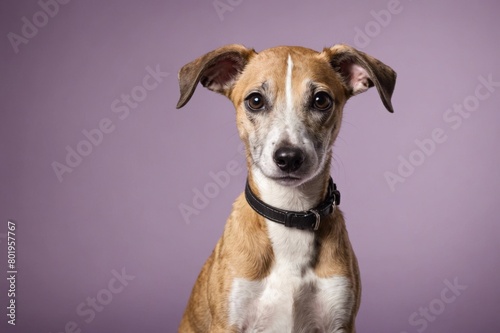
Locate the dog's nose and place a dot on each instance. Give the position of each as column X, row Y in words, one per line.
column 288, row 159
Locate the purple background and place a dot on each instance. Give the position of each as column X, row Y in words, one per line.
column 119, row 208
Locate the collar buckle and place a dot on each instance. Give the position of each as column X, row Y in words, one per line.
column 288, row 218
column 318, row 219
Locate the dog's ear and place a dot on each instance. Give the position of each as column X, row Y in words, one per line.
column 359, row 71
column 216, row 70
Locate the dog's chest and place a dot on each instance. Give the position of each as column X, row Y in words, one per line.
column 291, row 298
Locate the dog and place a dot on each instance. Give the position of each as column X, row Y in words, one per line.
column 284, row 262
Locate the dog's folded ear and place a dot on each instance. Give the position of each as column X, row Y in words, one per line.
column 216, row 70
column 359, row 71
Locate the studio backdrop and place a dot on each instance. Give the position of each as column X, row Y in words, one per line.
column 111, row 199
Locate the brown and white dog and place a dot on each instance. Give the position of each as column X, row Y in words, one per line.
column 264, row 276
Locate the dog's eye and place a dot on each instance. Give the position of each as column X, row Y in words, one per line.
column 255, row 102
column 322, row 101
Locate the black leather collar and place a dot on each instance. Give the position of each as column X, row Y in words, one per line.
column 304, row 220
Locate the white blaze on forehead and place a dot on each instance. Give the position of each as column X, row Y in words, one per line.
column 288, row 84
column 291, row 128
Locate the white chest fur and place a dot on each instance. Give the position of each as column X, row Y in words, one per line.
column 291, row 298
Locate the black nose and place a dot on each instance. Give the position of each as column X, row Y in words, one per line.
column 288, row 159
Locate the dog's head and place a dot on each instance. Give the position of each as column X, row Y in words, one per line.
column 288, row 100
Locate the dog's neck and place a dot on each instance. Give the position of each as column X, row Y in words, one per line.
column 299, row 198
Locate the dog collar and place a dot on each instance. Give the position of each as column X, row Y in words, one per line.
column 304, row 220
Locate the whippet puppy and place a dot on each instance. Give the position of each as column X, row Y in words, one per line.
column 284, row 262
